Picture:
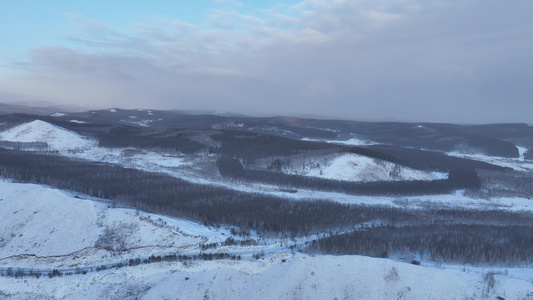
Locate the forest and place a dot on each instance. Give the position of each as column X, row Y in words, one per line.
column 458, row 243
column 491, row 237
column 494, row 237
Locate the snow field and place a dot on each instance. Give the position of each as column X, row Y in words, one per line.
column 46, row 222
column 299, row 277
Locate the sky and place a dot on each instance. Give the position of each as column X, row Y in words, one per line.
column 468, row 61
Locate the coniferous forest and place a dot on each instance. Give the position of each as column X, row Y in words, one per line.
column 451, row 235
column 436, row 232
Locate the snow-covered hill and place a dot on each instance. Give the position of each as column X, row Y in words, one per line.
column 348, row 167
column 74, row 145
column 57, row 138
column 353, row 167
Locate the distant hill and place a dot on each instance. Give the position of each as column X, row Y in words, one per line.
column 38, row 108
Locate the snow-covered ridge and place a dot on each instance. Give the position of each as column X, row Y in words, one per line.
column 57, row 138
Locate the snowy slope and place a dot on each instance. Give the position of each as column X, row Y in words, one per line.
column 40, row 221
column 43, row 221
column 354, row 167
column 299, row 277
column 57, row 138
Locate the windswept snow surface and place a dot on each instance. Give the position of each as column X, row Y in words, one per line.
column 57, row 138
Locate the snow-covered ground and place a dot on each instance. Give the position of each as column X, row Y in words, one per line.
column 521, row 152
column 40, row 221
column 283, row 276
column 456, row 200
column 518, row 164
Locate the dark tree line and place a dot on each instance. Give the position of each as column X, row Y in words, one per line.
column 465, row 244
column 529, row 154
column 437, row 137
column 20, row 273
column 507, row 183
column 121, row 137
column 458, row 179
column 36, row 146
column 433, row 161
column 253, row 145
column 493, row 147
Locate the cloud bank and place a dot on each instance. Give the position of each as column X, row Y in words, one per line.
column 440, row 61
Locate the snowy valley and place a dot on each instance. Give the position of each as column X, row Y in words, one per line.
column 133, row 207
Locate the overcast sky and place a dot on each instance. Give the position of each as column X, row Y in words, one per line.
column 468, row 61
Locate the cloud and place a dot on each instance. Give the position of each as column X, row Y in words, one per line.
column 228, row 2
column 450, row 61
